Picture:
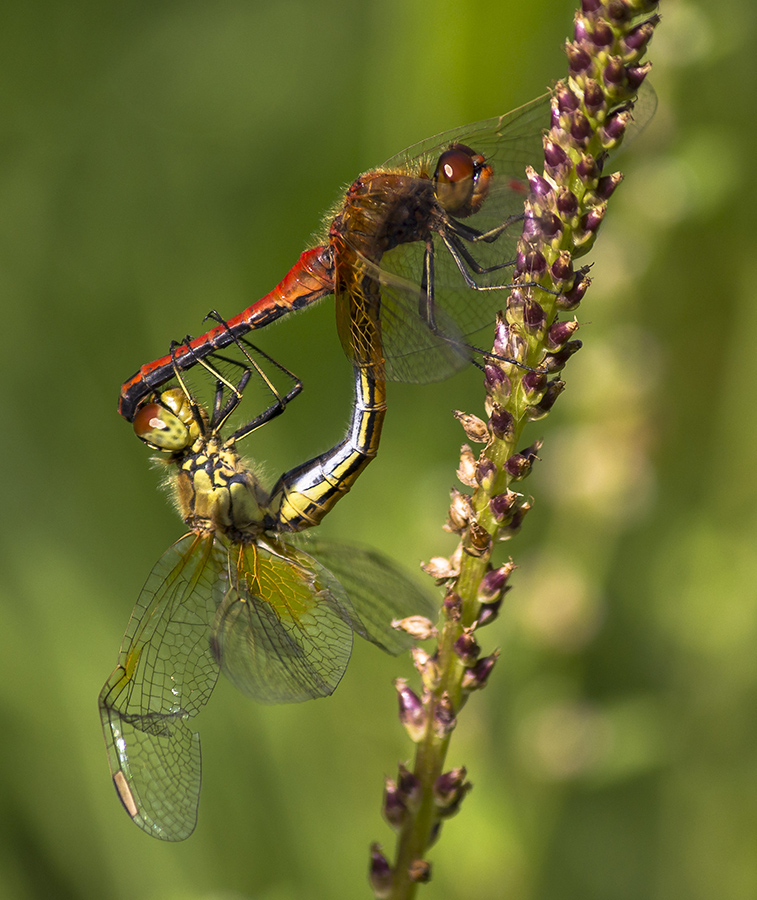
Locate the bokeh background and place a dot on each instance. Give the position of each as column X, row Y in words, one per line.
column 160, row 160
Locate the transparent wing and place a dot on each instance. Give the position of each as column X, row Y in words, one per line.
column 165, row 675
column 378, row 588
column 509, row 143
column 282, row 633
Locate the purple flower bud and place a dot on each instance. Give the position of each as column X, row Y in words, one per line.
column 593, row 219
column 494, row 583
column 578, row 59
column 412, row 713
column 560, row 333
column 539, row 410
column 488, row 613
column 393, row 806
column 534, row 317
column 614, row 128
column 618, row 11
column 554, row 155
column 444, row 720
column 409, row 786
column 562, row 268
column 635, row 42
column 476, row 677
column 530, row 223
column 580, row 129
column 498, row 385
column 534, row 384
column 519, row 465
column 637, row 74
column 554, row 362
column 580, row 31
column 607, row 184
column 602, row 35
column 567, row 101
column 486, row 473
column 501, row 506
column 587, row 169
column 539, row 185
column 452, row 607
column 501, row 423
column 380, row 873
column 466, row 647
column 550, row 226
column 449, row 790
column 594, row 96
column 590, row 6
column 567, row 203
column 614, row 72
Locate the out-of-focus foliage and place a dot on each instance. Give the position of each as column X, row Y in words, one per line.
column 160, row 160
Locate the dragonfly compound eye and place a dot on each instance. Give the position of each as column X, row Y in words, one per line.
column 461, row 180
column 160, row 428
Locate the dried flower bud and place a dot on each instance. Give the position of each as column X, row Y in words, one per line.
column 441, row 568
column 412, row 713
column 466, row 471
column 460, row 512
column 380, row 873
column 419, row 627
column 474, row 428
column 419, row 871
column 452, row 607
column 427, row 667
column 478, row 541
column 444, row 720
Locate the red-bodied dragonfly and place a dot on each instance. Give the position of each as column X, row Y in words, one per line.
column 242, row 593
column 401, row 246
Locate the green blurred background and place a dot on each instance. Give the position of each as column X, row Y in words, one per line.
column 159, row 160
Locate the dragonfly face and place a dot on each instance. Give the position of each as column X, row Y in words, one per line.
column 276, row 615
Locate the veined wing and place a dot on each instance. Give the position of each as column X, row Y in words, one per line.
column 166, row 674
column 282, row 632
column 378, row 588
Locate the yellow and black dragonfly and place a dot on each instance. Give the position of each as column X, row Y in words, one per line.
column 241, row 593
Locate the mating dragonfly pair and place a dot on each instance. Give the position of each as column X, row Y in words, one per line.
column 242, row 593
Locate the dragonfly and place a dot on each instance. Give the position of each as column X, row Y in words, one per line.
column 244, row 593
column 413, row 279
column 401, row 251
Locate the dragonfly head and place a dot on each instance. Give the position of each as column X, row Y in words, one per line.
column 168, row 423
column 461, row 180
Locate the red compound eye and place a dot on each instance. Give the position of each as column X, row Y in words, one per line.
column 461, row 180
column 160, row 428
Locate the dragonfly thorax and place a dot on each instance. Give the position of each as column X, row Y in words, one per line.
column 216, row 493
